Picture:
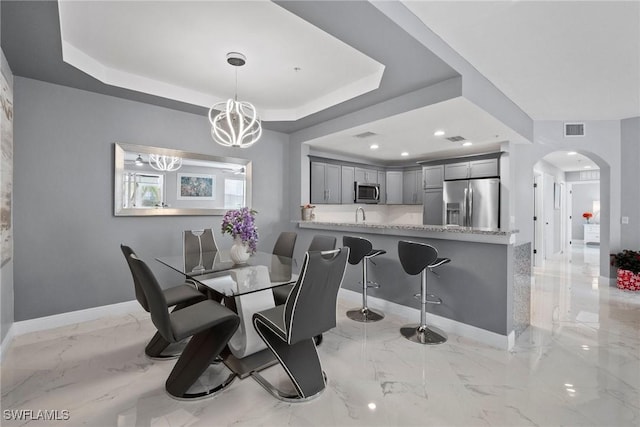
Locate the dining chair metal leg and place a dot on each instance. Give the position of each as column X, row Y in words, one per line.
column 301, row 363
column 201, row 351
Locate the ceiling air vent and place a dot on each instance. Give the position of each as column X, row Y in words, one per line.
column 456, row 138
column 365, row 135
column 574, row 129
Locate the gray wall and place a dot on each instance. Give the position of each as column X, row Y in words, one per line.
column 67, row 254
column 583, row 195
column 630, row 201
column 6, row 273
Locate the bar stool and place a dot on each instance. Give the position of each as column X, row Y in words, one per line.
column 361, row 250
column 416, row 258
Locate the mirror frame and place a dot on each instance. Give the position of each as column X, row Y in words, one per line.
column 118, row 170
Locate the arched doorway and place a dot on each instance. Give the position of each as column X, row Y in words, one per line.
column 568, row 190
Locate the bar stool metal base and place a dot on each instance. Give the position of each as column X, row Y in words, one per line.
column 423, row 334
column 364, row 315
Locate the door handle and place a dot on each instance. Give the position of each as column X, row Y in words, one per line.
column 470, row 206
column 464, row 207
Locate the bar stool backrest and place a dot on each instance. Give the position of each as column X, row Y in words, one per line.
column 155, row 297
column 359, row 248
column 310, row 309
column 415, row 256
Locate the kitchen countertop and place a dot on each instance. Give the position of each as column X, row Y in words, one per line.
column 483, row 235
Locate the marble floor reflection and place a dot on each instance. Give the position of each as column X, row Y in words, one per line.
column 577, row 364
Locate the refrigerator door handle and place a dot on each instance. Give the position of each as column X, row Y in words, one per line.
column 470, row 207
column 464, row 208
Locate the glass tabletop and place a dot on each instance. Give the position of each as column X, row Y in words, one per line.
column 216, row 271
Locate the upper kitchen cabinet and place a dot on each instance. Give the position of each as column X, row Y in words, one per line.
column 326, row 181
column 483, row 168
column 472, row 169
column 348, row 190
column 412, row 187
column 394, row 187
column 368, row 176
column 432, row 176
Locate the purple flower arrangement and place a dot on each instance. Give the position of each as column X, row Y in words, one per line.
column 241, row 223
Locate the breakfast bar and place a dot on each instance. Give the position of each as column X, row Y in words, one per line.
column 484, row 290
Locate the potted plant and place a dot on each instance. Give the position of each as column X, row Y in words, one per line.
column 587, row 216
column 240, row 223
column 628, row 264
column 307, row 212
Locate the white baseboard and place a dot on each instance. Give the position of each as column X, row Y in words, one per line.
column 493, row 339
column 79, row 316
column 6, row 342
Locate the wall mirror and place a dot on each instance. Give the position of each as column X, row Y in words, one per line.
column 161, row 181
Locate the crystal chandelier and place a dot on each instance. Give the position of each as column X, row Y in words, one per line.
column 237, row 124
column 164, row 163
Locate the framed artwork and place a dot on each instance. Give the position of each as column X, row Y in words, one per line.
column 193, row 186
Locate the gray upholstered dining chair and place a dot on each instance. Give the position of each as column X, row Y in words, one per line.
column 318, row 243
column 179, row 296
column 285, row 244
column 310, row 310
column 209, row 324
column 199, row 248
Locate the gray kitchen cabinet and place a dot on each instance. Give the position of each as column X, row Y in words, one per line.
column 483, row 168
column 325, row 183
column 412, row 187
column 394, row 187
column 368, row 176
column 432, row 176
column 456, row 170
column 432, row 213
column 473, row 169
column 348, row 190
column 382, row 181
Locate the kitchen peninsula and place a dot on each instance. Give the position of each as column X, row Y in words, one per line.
column 485, row 289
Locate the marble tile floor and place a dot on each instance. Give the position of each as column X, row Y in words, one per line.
column 578, row 364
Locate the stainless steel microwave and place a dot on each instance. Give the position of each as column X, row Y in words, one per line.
column 366, row 193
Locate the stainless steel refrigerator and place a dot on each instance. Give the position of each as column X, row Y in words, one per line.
column 472, row 203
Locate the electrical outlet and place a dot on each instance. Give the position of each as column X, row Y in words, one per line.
column 625, row 220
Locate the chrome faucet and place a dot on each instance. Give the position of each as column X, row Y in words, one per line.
column 364, row 216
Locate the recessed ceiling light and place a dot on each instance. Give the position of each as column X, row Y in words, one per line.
column 571, row 153
column 467, row 143
column 374, row 146
column 372, row 406
column 587, row 167
column 404, row 154
column 438, row 133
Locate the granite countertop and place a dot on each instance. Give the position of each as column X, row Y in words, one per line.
column 468, row 234
column 417, row 227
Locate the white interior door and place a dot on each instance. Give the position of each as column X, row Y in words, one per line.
column 538, row 221
column 549, row 220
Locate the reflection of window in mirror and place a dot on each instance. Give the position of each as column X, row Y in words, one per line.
column 233, row 193
column 201, row 185
column 142, row 190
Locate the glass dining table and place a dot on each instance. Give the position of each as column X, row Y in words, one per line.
column 244, row 288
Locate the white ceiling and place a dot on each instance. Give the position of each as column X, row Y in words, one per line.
column 413, row 132
column 178, row 50
column 557, row 60
column 567, row 162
